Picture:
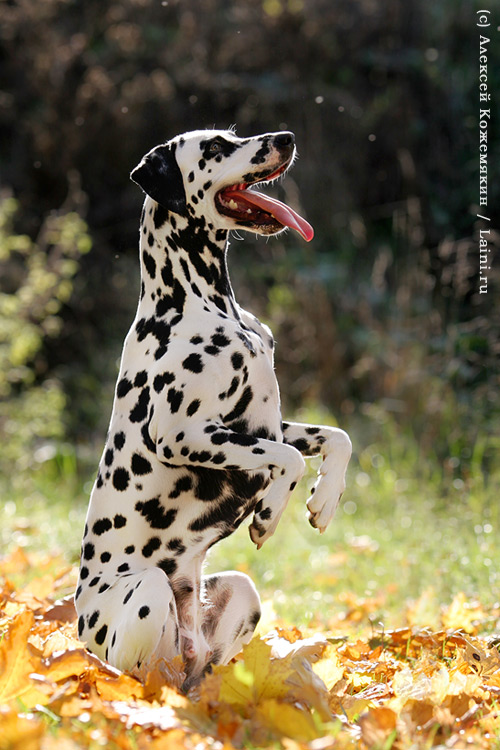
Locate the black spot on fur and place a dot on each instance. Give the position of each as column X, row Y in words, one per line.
column 100, row 636
column 105, row 557
column 155, row 513
column 301, row 444
column 254, row 619
column 242, row 439
column 88, row 551
column 121, row 479
column 140, row 465
column 168, row 565
column 140, row 410
column 218, row 339
column 200, row 456
column 160, row 216
column 119, row 521
column 93, row 619
column 140, row 379
column 176, row 545
column 241, row 406
column 161, row 381
column 119, row 440
column 108, row 457
column 219, row 438
column 144, row 612
column 183, row 484
column 153, row 544
column 237, row 360
column 123, row 387
column 101, row 526
column 193, row 407
column 149, row 261
column 193, row 363
column 175, row 398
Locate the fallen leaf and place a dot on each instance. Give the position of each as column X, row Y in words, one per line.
column 462, row 615
column 287, row 720
column 378, row 725
column 18, row 662
column 269, row 676
column 62, row 611
column 329, row 668
column 19, row 732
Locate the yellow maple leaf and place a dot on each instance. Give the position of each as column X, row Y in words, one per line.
column 290, row 721
column 18, row 662
column 261, row 678
column 329, row 668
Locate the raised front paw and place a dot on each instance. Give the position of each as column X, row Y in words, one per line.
column 323, row 502
column 263, row 524
column 330, row 485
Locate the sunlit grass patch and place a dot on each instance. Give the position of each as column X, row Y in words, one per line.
column 407, row 529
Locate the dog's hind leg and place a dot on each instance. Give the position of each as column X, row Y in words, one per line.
column 133, row 621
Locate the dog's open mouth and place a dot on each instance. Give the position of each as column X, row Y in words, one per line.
column 250, row 208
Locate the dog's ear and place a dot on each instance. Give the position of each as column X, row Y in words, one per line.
column 158, row 174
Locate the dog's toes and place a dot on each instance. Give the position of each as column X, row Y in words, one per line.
column 313, row 519
column 321, row 507
column 257, row 533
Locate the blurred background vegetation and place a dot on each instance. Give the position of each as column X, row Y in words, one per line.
column 379, row 322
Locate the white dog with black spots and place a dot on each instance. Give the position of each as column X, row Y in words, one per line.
column 196, row 442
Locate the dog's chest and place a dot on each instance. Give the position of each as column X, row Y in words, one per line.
column 249, row 381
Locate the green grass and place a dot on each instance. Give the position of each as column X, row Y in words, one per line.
column 406, row 528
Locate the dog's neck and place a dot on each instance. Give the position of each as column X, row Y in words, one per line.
column 183, row 258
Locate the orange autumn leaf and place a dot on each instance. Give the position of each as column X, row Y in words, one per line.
column 377, row 725
column 120, row 688
column 18, row 662
column 19, row 733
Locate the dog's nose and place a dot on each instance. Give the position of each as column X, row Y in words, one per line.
column 284, row 141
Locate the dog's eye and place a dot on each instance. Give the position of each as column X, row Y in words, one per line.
column 215, row 147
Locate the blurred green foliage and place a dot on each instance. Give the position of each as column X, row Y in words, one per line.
column 39, row 278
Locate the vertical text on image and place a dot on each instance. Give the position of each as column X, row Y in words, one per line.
column 483, row 21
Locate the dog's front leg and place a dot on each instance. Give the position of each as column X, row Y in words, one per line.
column 335, row 448
column 211, row 444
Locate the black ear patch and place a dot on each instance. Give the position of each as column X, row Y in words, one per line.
column 158, row 174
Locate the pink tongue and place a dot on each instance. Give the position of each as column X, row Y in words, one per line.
column 283, row 213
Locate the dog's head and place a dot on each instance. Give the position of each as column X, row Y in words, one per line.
column 212, row 173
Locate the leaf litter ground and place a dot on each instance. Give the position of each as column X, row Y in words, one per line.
column 410, row 687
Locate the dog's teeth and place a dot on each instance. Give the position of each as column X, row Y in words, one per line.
column 233, row 204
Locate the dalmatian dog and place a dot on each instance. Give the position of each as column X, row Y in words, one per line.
column 196, row 442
